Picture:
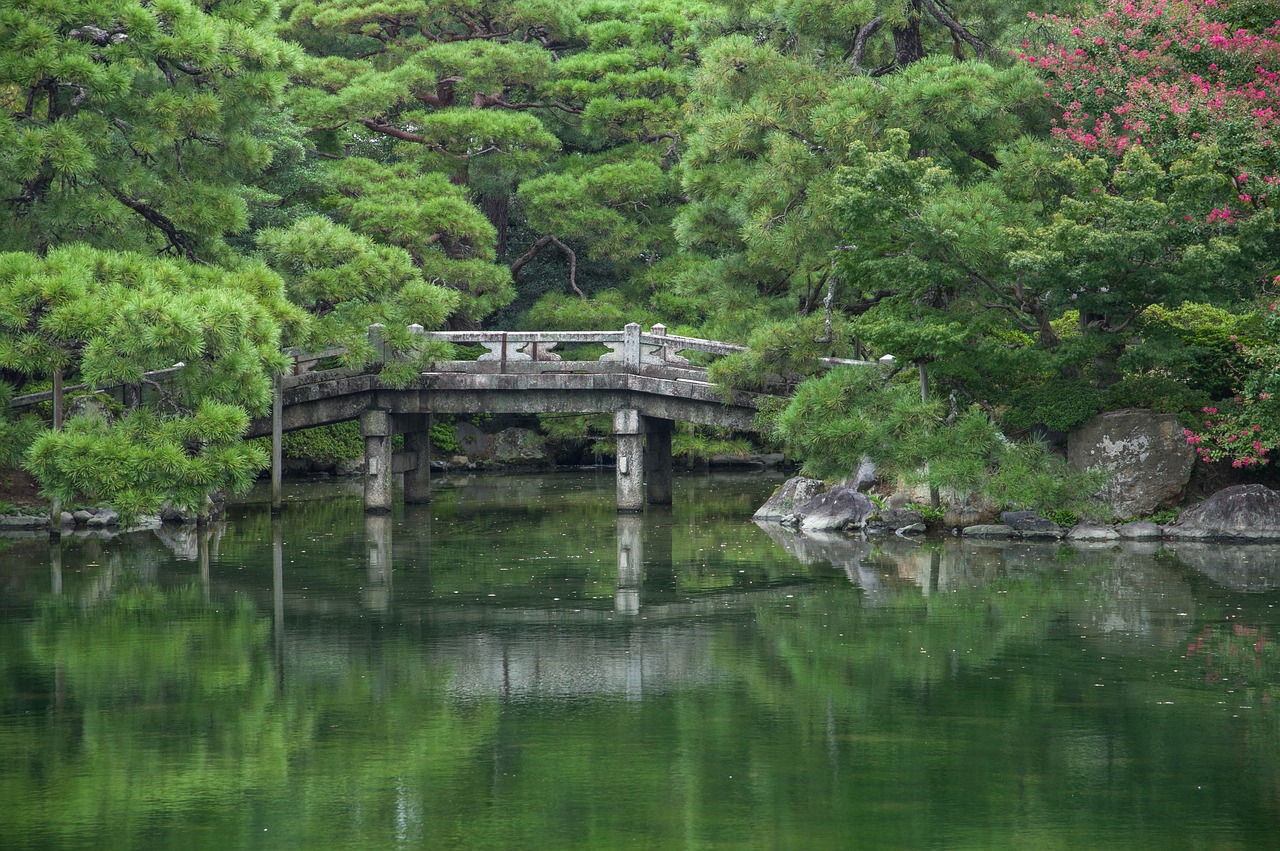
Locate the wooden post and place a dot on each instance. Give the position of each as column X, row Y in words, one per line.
column 935, row 498
column 277, row 597
column 55, row 504
column 277, row 444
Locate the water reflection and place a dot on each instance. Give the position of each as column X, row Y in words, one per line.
column 545, row 673
column 377, row 536
column 626, row 599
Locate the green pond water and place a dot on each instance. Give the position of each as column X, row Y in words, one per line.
column 517, row 666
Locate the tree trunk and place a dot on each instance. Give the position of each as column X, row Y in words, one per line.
column 907, row 44
column 495, row 208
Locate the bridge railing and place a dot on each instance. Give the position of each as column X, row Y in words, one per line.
column 631, row 346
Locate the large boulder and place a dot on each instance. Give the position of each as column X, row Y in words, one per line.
column 971, row 509
column 792, row 493
column 1145, row 455
column 1243, row 512
column 841, row 507
column 1094, row 533
column 519, row 446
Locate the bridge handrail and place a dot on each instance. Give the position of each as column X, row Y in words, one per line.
column 525, row 336
column 631, row 346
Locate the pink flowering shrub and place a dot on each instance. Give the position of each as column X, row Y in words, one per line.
column 1245, row 430
column 1173, row 87
column 1168, row 75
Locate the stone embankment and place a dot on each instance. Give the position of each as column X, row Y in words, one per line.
column 1240, row 513
column 98, row 521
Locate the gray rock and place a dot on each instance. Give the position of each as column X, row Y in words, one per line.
column 971, row 510
column 1243, row 512
column 81, row 516
column 87, row 405
column 518, row 446
column 1028, row 524
column 174, row 514
column 865, row 476
column 899, row 499
column 897, row 518
column 913, row 529
column 1145, row 455
column 732, row 461
column 988, row 530
column 67, row 519
column 839, row 508
column 104, row 517
column 181, row 540
column 1139, row 530
column 23, row 521
column 794, row 491
column 1093, row 533
column 1244, row 567
column 1044, row 534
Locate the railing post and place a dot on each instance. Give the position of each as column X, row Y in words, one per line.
column 379, row 342
column 631, row 345
column 660, row 330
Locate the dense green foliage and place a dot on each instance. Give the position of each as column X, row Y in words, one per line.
column 1050, row 215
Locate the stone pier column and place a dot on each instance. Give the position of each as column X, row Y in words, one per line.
column 376, row 428
column 658, row 460
column 628, row 428
column 417, row 482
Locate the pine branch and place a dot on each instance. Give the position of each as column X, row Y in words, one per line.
column 957, row 29
column 536, row 249
column 860, row 41
column 179, row 240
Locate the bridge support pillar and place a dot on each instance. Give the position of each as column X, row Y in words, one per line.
column 628, row 428
column 376, row 428
column 417, row 442
column 658, row 460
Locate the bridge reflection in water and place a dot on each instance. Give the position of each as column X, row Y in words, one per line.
column 645, row 638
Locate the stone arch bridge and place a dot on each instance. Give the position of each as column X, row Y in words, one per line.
column 642, row 380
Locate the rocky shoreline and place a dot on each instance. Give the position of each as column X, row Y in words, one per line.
column 1246, row 513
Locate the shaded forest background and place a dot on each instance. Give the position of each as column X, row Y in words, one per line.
column 1043, row 211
